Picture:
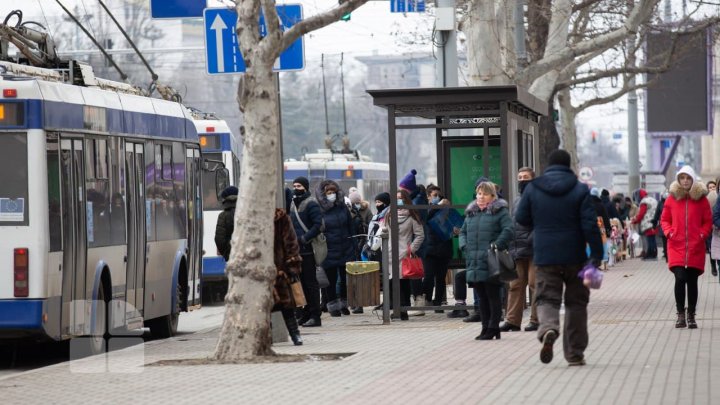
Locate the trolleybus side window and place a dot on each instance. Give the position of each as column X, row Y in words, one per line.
column 14, row 186
column 54, row 205
column 97, row 189
column 179, row 173
column 150, row 171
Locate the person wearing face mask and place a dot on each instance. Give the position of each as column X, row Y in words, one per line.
column 373, row 243
column 687, row 221
column 338, row 230
column 303, row 207
column 487, row 222
column 438, row 252
column 521, row 248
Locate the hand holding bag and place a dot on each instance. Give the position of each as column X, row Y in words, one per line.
column 297, row 292
column 501, row 266
column 411, row 266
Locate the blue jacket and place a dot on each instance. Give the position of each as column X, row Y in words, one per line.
column 480, row 229
column 435, row 245
column 558, row 208
column 338, row 228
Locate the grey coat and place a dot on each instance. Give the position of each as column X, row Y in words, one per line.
column 521, row 247
column 410, row 234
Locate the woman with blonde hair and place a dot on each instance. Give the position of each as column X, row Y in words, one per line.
column 487, row 222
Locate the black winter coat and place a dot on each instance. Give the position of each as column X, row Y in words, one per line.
column 609, row 207
column 602, row 212
column 521, row 247
column 311, row 216
column 559, row 210
column 225, row 226
column 338, row 228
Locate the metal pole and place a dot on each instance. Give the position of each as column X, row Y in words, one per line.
column 393, row 218
column 520, row 51
column 446, row 66
column 280, row 199
column 385, row 278
column 633, row 154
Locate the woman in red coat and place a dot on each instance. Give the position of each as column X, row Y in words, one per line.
column 687, row 221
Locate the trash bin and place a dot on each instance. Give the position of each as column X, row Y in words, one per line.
column 363, row 284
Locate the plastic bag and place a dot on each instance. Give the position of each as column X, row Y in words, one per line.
column 592, row 276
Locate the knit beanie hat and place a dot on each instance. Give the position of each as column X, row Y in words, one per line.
column 355, row 197
column 559, row 157
column 384, row 197
column 595, row 192
column 408, row 182
column 232, row 190
column 302, row 181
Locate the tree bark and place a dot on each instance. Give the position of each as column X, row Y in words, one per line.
column 548, row 139
column 567, row 123
column 487, row 37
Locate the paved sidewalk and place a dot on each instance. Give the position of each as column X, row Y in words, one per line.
column 636, row 356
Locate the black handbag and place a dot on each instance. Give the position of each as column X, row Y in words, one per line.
column 501, row 265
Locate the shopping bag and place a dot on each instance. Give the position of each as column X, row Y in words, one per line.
column 321, row 277
column 592, row 276
column 298, row 294
column 411, row 266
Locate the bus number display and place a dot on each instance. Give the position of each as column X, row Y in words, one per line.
column 210, row 142
column 12, row 114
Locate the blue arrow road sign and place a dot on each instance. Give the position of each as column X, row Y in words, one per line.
column 177, row 8
column 222, row 50
column 407, row 6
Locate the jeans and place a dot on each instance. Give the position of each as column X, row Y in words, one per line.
column 460, row 289
column 686, row 276
column 333, row 292
column 549, row 289
column 435, row 271
column 650, row 247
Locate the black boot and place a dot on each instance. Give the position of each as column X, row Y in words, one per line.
column 691, row 320
column 492, row 333
column 681, row 323
column 292, row 326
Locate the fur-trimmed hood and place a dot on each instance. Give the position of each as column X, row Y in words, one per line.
column 322, row 200
column 495, row 206
column 697, row 190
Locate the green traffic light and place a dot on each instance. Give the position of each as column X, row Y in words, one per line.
column 345, row 17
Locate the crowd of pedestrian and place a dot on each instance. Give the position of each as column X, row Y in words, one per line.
column 555, row 227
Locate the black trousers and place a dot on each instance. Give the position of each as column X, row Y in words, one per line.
column 490, row 304
column 337, row 276
column 686, row 277
column 310, row 286
column 435, row 271
column 405, row 290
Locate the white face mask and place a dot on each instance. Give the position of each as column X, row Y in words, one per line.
column 331, row 197
column 357, row 206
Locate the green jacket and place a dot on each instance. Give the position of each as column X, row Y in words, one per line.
column 480, row 229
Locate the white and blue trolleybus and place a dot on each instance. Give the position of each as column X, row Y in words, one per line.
column 100, row 209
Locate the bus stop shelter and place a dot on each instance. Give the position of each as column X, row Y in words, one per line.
column 488, row 131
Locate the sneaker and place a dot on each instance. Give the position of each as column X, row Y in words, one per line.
column 573, row 363
column 475, row 317
column 458, row 313
column 357, row 310
column 419, row 302
column 546, row 353
column 344, row 311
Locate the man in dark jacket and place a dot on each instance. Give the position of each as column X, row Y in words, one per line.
column 305, row 209
column 521, row 248
column 609, row 205
column 226, row 222
column 558, row 209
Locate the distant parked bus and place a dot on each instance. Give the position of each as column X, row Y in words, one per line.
column 217, row 144
column 347, row 169
column 98, row 207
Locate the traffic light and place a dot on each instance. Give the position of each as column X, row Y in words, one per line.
column 346, row 16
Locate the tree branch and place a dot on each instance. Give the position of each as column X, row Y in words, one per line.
column 639, row 14
column 604, row 100
column 318, row 21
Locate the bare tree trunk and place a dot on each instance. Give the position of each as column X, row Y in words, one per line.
column 251, row 269
column 487, row 37
column 549, row 139
column 567, row 122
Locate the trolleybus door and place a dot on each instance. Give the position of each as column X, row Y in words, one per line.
column 74, row 236
column 136, row 227
column 194, row 204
